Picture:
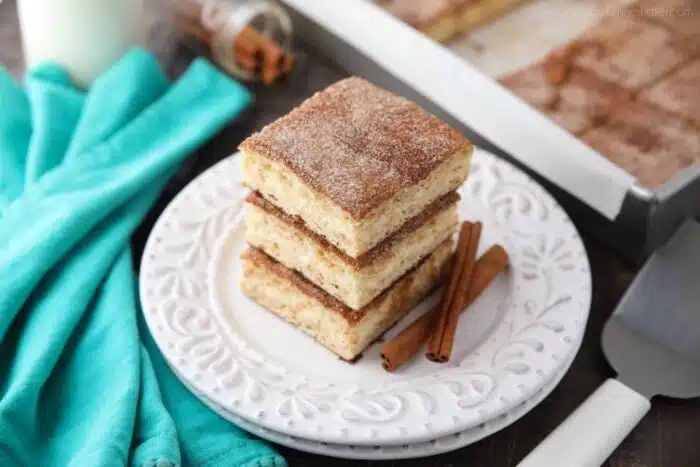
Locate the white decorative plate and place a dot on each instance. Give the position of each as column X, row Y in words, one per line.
column 407, row 451
column 511, row 343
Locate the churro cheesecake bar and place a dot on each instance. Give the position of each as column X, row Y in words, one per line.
column 342, row 330
column 355, row 163
column 353, row 207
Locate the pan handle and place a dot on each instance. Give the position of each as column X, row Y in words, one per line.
column 590, row 434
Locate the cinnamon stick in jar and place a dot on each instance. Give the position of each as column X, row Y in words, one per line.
column 287, row 63
column 406, row 344
column 248, row 41
column 258, row 55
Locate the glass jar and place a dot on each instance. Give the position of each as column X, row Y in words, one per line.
column 219, row 24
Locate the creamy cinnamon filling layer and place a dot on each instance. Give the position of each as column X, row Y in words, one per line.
column 354, row 281
column 345, row 331
column 438, row 206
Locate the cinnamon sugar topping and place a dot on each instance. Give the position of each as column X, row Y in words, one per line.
column 358, row 144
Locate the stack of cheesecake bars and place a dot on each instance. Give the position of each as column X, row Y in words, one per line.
column 352, row 212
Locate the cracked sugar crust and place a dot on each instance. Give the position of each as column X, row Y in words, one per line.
column 580, row 101
column 679, row 93
column 630, row 52
column 357, row 144
column 648, row 142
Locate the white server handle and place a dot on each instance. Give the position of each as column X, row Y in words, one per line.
column 590, row 434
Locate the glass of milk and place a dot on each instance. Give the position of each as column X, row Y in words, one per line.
column 83, row 36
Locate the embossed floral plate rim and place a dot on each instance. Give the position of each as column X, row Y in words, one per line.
column 544, row 320
column 427, row 448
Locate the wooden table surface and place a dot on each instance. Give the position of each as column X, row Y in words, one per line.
column 669, row 436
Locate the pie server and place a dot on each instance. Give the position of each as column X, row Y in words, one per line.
column 652, row 340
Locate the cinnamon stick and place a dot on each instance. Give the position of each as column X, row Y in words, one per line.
column 249, row 41
column 273, row 55
column 442, row 339
column 270, row 75
column 242, row 55
column 401, row 348
column 248, row 62
column 287, row 63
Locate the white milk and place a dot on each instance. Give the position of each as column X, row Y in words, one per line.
column 84, row 36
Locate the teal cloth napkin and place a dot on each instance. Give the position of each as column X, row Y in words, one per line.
column 82, row 381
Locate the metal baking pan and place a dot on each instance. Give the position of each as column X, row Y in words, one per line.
column 605, row 201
